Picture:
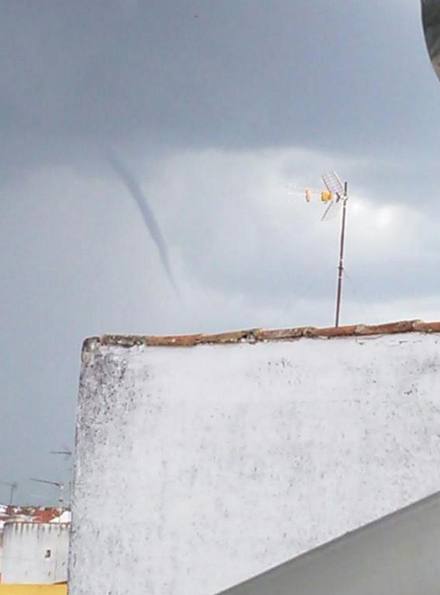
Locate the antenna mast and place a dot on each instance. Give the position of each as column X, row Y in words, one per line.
column 341, row 255
column 13, row 486
column 338, row 192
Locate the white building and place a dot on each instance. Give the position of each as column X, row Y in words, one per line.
column 34, row 545
column 35, row 553
column 203, row 461
column 3, row 511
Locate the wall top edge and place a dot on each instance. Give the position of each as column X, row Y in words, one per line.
column 261, row 335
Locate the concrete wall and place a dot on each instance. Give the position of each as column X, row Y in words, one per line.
column 35, row 553
column 1, row 552
column 198, row 468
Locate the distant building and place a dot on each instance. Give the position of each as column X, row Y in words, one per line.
column 34, row 545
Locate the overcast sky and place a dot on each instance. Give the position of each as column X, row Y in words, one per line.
column 220, row 108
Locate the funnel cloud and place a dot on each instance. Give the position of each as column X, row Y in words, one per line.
column 135, row 191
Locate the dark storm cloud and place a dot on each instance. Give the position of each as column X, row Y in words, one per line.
column 233, row 73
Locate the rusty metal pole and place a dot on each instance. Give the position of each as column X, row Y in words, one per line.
column 11, row 495
column 341, row 255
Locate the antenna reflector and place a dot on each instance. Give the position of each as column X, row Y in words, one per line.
column 333, row 184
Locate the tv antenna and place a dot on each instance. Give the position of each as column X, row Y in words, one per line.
column 336, row 192
column 66, row 453
column 12, row 486
column 58, row 484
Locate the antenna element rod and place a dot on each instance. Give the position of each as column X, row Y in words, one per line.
column 13, row 487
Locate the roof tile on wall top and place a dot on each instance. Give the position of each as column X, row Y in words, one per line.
column 261, row 335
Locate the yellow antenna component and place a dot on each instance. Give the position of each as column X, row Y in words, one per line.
column 326, row 196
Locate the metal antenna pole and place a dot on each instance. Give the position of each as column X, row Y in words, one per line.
column 67, row 453
column 341, row 255
column 61, row 496
column 12, row 486
column 11, row 497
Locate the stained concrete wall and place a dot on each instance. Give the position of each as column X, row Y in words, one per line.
column 35, row 553
column 397, row 555
column 1, row 552
column 198, row 468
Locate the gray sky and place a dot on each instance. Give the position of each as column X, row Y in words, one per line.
column 218, row 108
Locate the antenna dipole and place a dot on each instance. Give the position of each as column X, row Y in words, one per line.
column 341, row 255
column 58, row 484
column 66, row 453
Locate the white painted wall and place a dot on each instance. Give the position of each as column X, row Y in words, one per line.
column 200, row 467
column 1, row 553
column 3, row 512
column 25, row 552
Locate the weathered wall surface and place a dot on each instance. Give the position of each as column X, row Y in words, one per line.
column 1, row 552
column 198, row 468
column 35, row 553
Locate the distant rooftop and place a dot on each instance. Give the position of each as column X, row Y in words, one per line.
column 32, row 514
column 261, row 335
